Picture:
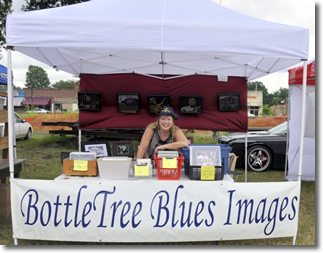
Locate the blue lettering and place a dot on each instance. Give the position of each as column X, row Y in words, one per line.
column 57, row 204
column 105, row 194
column 188, row 221
column 175, row 203
column 30, row 205
column 124, row 213
column 262, row 217
column 85, row 213
column 76, row 224
column 135, row 213
column 229, row 209
column 197, row 213
column 67, row 204
column 161, row 207
column 48, row 212
column 294, row 209
column 273, row 204
column 211, row 214
column 282, row 208
column 246, row 204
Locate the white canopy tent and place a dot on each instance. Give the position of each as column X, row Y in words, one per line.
column 154, row 37
column 295, row 94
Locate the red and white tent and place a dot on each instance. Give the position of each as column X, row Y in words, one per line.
column 295, row 123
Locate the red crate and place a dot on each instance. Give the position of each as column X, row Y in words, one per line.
column 168, row 173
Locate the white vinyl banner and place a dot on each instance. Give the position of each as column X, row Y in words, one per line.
column 152, row 211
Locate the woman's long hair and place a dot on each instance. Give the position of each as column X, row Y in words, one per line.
column 156, row 126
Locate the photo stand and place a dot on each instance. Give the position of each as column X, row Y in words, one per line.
column 102, row 149
column 123, row 148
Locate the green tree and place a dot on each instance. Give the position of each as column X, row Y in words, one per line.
column 258, row 86
column 278, row 96
column 266, row 111
column 61, row 84
column 38, row 5
column 5, row 9
column 36, row 77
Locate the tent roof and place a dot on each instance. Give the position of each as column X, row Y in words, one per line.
column 179, row 37
column 295, row 75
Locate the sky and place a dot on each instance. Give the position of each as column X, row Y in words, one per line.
column 296, row 12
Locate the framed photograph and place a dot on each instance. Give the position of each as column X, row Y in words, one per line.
column 89, row 101
column 190, row 140
column 229, row 102
column 190, row 104
column 102, row 149
column 123, row 148
column 128, row 101
column 157, row 102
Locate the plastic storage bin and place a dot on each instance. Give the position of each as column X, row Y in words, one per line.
column 205, row 155
column 136, row 173
column 87, row 156
column 169, row 173
column 114, row 167
column 194, row 172
column 225, row 150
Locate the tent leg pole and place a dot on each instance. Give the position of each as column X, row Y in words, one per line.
column 15, row 240
column 301, row 145
column 246, row 156
column 294, row 240
column 10, row 114
column 80, row 139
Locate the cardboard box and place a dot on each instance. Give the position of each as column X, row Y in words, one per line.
column 4, row 193
column 5, row 210
column 5, row 207
column 69, row 168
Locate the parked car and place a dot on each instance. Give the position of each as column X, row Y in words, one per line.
column 251, row 115
column 266, row 149
column 39, row 110
column 22, row 128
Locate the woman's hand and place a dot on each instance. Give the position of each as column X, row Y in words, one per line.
column 162, row 147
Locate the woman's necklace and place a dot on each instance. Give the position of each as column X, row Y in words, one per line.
column 164, row 133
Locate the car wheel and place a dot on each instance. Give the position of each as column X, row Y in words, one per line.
column 259, row 158
column 29, row 135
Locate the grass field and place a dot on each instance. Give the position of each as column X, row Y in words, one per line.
column 43, row 162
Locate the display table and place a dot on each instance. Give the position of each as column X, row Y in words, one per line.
column 183, row 177
column 92, row 209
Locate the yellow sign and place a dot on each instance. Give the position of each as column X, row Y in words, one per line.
column 207, row 172
column 80, row 165
column 169, row 163
column 141, row 170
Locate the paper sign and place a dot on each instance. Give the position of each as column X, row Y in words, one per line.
column 169, row 163
column 141, row 170
column 80, row 165
column 207, row 172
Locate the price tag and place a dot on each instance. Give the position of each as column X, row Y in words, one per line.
column 80, row 165
column 207, row 172
column 141, row 170
column 169, row 163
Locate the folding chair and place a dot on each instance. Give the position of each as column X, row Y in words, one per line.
column 232, row 165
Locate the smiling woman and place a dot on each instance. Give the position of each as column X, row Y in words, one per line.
column 162, row 135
